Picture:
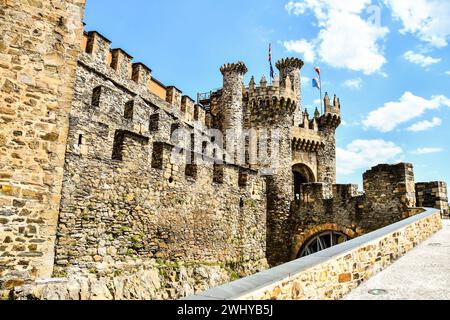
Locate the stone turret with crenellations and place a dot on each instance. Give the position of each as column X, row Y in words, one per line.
column 290, row 76
column 231, row 113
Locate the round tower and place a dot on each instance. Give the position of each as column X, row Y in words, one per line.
column 277, row 114
column 231, row 112
column 290, row 75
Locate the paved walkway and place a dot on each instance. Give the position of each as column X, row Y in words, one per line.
column 422, row 274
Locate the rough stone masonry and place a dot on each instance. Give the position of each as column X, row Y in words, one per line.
column 94, row 204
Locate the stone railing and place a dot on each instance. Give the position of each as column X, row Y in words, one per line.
column 332, row 273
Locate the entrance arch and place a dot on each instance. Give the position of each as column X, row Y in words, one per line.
column 322, row 241
column 301, row 174
column 307, row 234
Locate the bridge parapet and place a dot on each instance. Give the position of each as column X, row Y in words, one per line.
column 334, row 272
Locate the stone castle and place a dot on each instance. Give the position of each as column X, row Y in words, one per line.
column 91, row 193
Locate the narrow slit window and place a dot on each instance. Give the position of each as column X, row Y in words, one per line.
column 243, row 179
column 129, row 110
column 96, row 93
column 218, row 174
column 154, row 122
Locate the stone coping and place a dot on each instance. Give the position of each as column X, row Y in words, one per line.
column 245, row 286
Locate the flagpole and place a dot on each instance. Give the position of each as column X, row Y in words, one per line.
column 321, row 99
column 270, row 63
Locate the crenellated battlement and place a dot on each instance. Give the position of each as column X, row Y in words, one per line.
column 273, row 99
column 274, row 103
column 332, row 115
column 334, row 107
column 254, row 92
column 118, row 63
column 238, row 67
column 381, row 183
column 319, row 192
column 345, row 191
column 388, row 195
column 433, row 195
column 294, row 63
column 177, row 170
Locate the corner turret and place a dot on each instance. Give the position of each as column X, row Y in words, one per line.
column 326, row 156
column 332, row 115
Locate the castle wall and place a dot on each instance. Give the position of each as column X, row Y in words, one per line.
column 388, row 197
column 326, row 157
column 388, row 188
column 39, row 44
column 125, row 196
column 433, row 195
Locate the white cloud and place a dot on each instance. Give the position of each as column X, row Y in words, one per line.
column 319, row 7
column 421, row 151
column 302, row 47
column 317, row 102
column 394, row 113
column 337, row 44
column 354, row 84
column 306, row 81
column 420, row 59
column 362, row 154
column 448, row 73
column 427, row 19
column 297, row 8
column 425, row 125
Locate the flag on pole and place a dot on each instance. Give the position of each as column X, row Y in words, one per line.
column 316, row 83
column 272, row 76
column 317, row 69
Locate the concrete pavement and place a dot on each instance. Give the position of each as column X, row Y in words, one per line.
column 422, row 274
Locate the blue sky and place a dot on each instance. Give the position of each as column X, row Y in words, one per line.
column 387, row 60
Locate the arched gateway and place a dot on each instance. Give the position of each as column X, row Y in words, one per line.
column 322, row 241
column 302, row 174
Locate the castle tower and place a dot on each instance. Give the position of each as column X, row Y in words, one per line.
column 231, row 112
column 273, row 110
column 41, row 41
column 290, row 75
column 326, row 156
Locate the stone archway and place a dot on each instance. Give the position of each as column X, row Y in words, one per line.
column 301, row 174
column 322, row 241
column 301, row 239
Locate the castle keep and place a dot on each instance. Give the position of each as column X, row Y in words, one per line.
column 92, row 191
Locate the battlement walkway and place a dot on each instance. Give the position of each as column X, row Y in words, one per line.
column 422, row 274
